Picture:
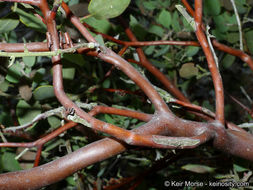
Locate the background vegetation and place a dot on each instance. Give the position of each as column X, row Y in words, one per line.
column 26, row 90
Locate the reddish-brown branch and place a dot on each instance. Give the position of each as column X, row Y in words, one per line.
column 38, row 154
column 218, row 86
column 144, row 62
column 59, row 169
column 242, row 55
column 42, row 140
column 123, row 112
column 242, row 105
column 152, row 134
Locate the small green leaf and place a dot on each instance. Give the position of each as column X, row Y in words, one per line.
column 100, row 39
column 106, row 83
column 159, row 31
column 239, row 168
column 7, row 24
column 4, row 85
column 109, row 119
column 219, row 35
column 188, row 70
column 71, row 180
column 150, row 5
column 104, row 9
column 249, row 40
column 26, row 112
column 164, row 18
column 149, row 50
column 54, row 122
column 162, row 51
column 212, row 7
column 198, row 168
column 175, row 22
column 53, row 144
column 100, row 25
column 44, row 92
column 68, row 73
column 241, row 6
column 14, row 73
column 191, row 51
column 30, row 20
column 29, row 61
column 9, row 163
column 137, row 28
column 73, row 59
column 219, row 23
column 232, row 37
column 5, row 117
column 228, row 60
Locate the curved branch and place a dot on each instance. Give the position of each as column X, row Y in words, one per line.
column 123, row 112
column 217, row 81
column 238, row 143
column 242, row 55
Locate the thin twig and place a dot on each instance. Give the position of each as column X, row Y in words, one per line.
column 60, row 112
column 238, row 22
column 13, row 55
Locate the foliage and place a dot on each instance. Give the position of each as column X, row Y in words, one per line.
column 26, row 87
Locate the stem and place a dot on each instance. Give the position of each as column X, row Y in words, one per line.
column 218, row 86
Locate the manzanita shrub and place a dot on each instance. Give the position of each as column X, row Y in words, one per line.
column 121, row 94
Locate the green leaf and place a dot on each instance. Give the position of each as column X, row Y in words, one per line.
column 164, row 18
column 14, row 73
column 162, row 51
column 109, row 119
column 29, row 61
column 219, row 35
column 198, row 168
column 175, row 22
column 212, row 7
column 219, row 23
column 106, row 83
column 249, row 40
column 68, row 73
column 73, row 59
column 150, row 5
column 4, row 85
column 137, row 28
column 7, row 24
column 159, row 31
column 100, row 39
column 241, row 6
column 149, row 50
column 5, row 117
column 191, row 51
column 228, row 60
column 158, row 64
column 100, row 25
column 232, row 37
column 43, row 92
column 31, row 21
column 104, row 9
column 53, row 144
column 9, row 163
column 225, row 22
column 26, row 112
column 188, row 70
column 239, row 168
column 71, row 180
column 54, row 122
